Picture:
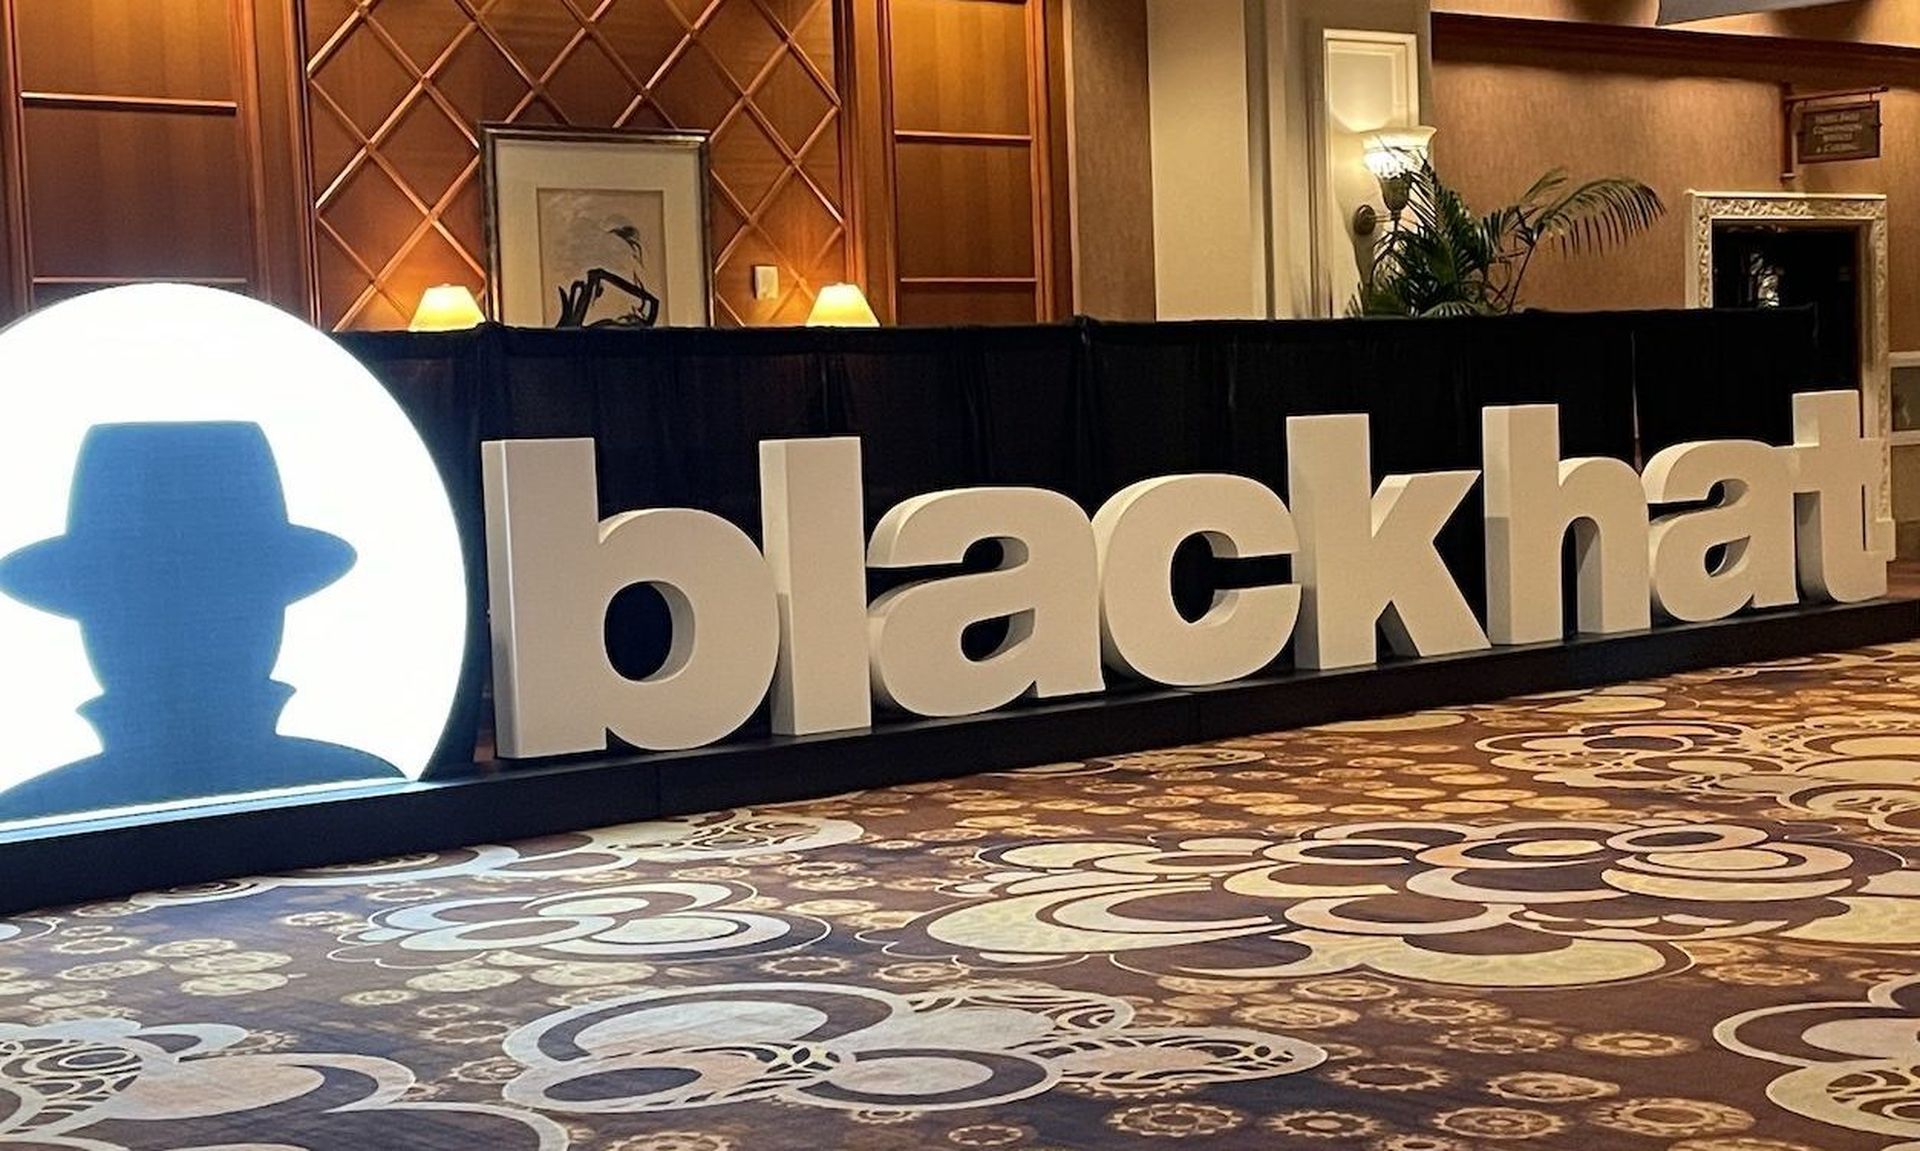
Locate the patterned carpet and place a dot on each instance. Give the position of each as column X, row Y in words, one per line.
column 1679, row 915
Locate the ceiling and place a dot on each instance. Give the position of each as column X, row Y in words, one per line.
column 1681, row 11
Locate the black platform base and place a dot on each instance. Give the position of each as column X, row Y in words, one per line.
column 106, row 858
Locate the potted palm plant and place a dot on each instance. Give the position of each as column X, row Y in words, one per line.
column 1439, row 259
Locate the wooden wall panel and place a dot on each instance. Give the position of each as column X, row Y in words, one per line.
column 323, row 153
column 963, row 92
column 940, row 304
column 117, row 47
column 138, row 194
column 965, row 209
column 398, row 88
column 137, row 145
column 960, row 66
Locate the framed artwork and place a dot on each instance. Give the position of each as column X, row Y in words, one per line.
column 597, row 228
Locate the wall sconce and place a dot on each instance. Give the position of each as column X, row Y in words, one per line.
column 842, row 306
column 1393, row 155
column 447, row 308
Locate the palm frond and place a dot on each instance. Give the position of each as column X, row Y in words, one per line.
column 1600, row 214
column 1440, row 259
column 1550, row 182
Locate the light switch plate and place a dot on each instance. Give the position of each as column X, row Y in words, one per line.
column 766, row 282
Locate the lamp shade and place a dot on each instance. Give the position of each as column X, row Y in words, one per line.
column 446, row 308
column 842, row 306
column 1396, row 151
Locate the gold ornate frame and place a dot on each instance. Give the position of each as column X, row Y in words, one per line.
column 1867, row 216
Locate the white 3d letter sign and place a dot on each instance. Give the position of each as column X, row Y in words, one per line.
column 1045, row 587
column 557, row 567
column 1842, row 543
column 1367, row 557
column 1533, row 499
column 1752, row 524
column 817, row 549
column 792, row 626
column 1141, row 631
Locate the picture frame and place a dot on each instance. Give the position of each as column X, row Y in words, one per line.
column 601, row 228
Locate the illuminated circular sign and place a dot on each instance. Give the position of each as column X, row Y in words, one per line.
column 227, row 563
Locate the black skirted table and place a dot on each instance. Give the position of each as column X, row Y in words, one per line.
column 1083, row 407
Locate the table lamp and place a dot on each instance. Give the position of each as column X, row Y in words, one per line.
column 446, row 308
column 842, row 306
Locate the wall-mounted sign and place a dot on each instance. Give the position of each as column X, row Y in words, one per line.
column 1839, row 132
column 228, row 565
column 1090, row 596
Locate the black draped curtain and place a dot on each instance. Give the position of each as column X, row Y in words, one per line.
column 1083, row 408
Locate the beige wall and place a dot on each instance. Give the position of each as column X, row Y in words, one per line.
column 1248, row 102
column 1208, row 225
column 1350, row 87
column 1502, row 124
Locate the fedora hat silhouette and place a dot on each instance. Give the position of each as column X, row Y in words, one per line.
column 160, row 509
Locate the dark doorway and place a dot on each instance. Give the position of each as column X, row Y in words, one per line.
column 1763, row 266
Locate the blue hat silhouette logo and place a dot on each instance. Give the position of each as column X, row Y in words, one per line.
column 179, row 562
column 198, row 505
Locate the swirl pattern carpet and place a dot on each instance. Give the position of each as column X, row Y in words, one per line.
column 1678, row 915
